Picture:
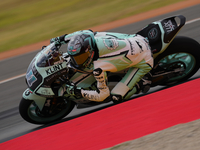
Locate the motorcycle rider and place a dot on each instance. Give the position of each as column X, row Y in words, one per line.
column 105, row 52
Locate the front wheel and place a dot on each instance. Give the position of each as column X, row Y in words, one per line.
column 183, row 53
column 56, row 111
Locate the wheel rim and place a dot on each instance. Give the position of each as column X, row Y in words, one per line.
column 32, row 113
column 187, row 59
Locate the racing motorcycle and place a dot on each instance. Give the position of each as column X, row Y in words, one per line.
column 176, row 58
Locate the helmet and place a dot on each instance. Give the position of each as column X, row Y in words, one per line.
column 81, row 50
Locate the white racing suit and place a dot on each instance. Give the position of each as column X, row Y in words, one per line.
column 118, row 52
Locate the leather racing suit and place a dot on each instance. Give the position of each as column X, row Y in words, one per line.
column 117, row 52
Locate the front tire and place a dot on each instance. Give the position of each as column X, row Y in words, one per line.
column 30, row 112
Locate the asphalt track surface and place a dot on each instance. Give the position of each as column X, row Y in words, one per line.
column 12, row 125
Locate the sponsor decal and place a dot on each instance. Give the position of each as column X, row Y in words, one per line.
column 153, row 33
column 55, row 75
column 30, row 78
column 88, row 96
column 45, row 92
column 111, row 44
column 169, row 26
column 54, row 69
column 27, row 93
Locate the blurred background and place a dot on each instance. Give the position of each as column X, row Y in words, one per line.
column 25, row 22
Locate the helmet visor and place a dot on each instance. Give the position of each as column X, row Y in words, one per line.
column 81, row 59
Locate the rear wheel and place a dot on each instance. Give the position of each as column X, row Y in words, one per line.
column 56, row 111
column 183, row 54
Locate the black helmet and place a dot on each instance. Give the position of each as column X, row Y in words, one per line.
column 81, row 50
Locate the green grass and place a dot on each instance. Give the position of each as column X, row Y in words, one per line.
column 24, row 22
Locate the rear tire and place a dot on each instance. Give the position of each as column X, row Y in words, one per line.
column 184, row 47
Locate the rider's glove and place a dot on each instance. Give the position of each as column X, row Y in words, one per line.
column 73, row 90
column 56, row 40
column 59, row 40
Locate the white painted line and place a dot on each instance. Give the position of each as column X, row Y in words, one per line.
column 191, row 21
column 12, row 78
column 22, row 75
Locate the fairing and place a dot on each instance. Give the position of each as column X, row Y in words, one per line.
column 45, row 68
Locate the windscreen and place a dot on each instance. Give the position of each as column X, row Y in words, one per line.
column 49, row 56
